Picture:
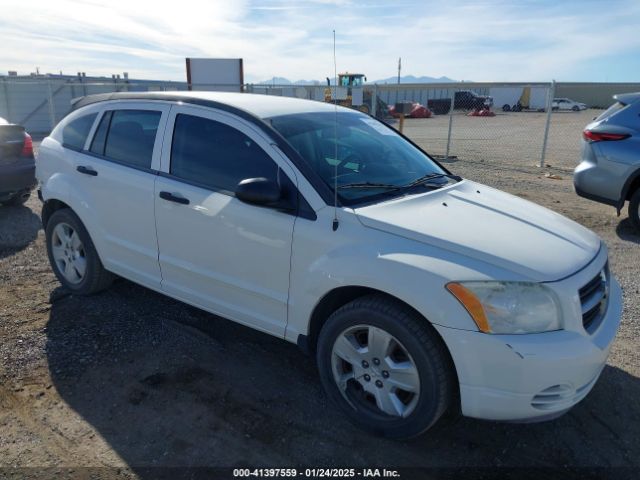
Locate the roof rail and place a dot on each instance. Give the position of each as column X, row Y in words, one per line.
column 75, row 100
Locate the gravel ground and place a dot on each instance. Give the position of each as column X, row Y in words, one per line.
column 131, row 379
column 514, row 138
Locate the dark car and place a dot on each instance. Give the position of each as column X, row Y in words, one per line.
column 17, row 164
column 462, row 100
column 468, row 100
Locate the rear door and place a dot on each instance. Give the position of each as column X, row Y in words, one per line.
column 117, row 171
column 216, row 252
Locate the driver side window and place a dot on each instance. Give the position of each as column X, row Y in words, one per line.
column 215, row 155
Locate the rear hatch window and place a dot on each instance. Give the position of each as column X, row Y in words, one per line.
column 615, row 108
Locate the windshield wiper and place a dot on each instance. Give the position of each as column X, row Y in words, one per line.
column 387, row 186
column 430, row 176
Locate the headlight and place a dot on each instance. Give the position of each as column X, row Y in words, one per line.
column 509, row 307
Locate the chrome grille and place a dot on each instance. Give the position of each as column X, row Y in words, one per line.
column 593, row 299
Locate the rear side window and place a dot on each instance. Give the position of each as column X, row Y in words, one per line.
column 215, row 155
column 615, row 108
column 100, row 137
column 128, row 136
column 75, row 133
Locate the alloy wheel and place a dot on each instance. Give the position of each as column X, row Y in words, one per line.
column 68, row 253
column 374, row 371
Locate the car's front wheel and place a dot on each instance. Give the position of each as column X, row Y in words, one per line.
column 385, row 367
column 73, row 256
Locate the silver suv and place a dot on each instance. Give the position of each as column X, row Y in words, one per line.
column 609, row 171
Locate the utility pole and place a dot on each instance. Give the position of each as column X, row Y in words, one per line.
column 399, row 68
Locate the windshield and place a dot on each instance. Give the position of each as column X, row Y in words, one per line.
column 373, row 162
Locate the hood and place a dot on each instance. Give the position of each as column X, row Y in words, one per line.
column 490, row 226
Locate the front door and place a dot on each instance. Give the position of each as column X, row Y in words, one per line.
column 216, row 252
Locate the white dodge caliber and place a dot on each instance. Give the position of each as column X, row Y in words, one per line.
column 416, row 290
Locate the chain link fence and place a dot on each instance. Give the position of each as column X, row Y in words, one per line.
column 500, row 124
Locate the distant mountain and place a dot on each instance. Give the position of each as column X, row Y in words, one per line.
column 390, row 80
column 412, row 79
column 308, row 82
column 286, row 81
column 275, row 81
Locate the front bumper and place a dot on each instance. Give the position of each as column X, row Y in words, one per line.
column 17, row 177
column 530, row 377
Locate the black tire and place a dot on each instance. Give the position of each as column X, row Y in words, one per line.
column 95, row 277
column 575, row 108
column 506, row 107
column 634, row 206
column 426, row 350
column 18, row 199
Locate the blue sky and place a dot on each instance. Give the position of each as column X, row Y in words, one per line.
column 486, row 40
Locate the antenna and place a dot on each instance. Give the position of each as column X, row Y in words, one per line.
column 335, row 137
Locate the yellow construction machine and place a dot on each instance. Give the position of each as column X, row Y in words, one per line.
column 351, row 81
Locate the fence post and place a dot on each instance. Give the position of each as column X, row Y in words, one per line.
column 374, row 100
column 450, row 125
column 552, row 93
column 6, row 99
column 52, row 111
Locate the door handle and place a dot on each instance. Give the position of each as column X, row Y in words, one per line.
column 174, row 198
column 87, row 171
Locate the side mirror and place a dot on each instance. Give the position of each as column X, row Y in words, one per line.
column 258, row 191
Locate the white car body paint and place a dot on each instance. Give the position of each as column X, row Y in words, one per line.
column 567, row 104
column 269, row 270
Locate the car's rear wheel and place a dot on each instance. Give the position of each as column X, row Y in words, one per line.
column 18, row 199
column 506, row 107
column 634, row 209
column 385, row 367
column 73, row 256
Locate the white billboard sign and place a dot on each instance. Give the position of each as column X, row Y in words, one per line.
column 221, row 74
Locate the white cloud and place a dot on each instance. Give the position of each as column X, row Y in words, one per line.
column 495, row 40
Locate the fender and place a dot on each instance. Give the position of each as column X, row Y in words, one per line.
column 402, row 268
column 59, row 187
column 626, row 187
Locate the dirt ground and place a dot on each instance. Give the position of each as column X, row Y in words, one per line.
column 131, row 379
